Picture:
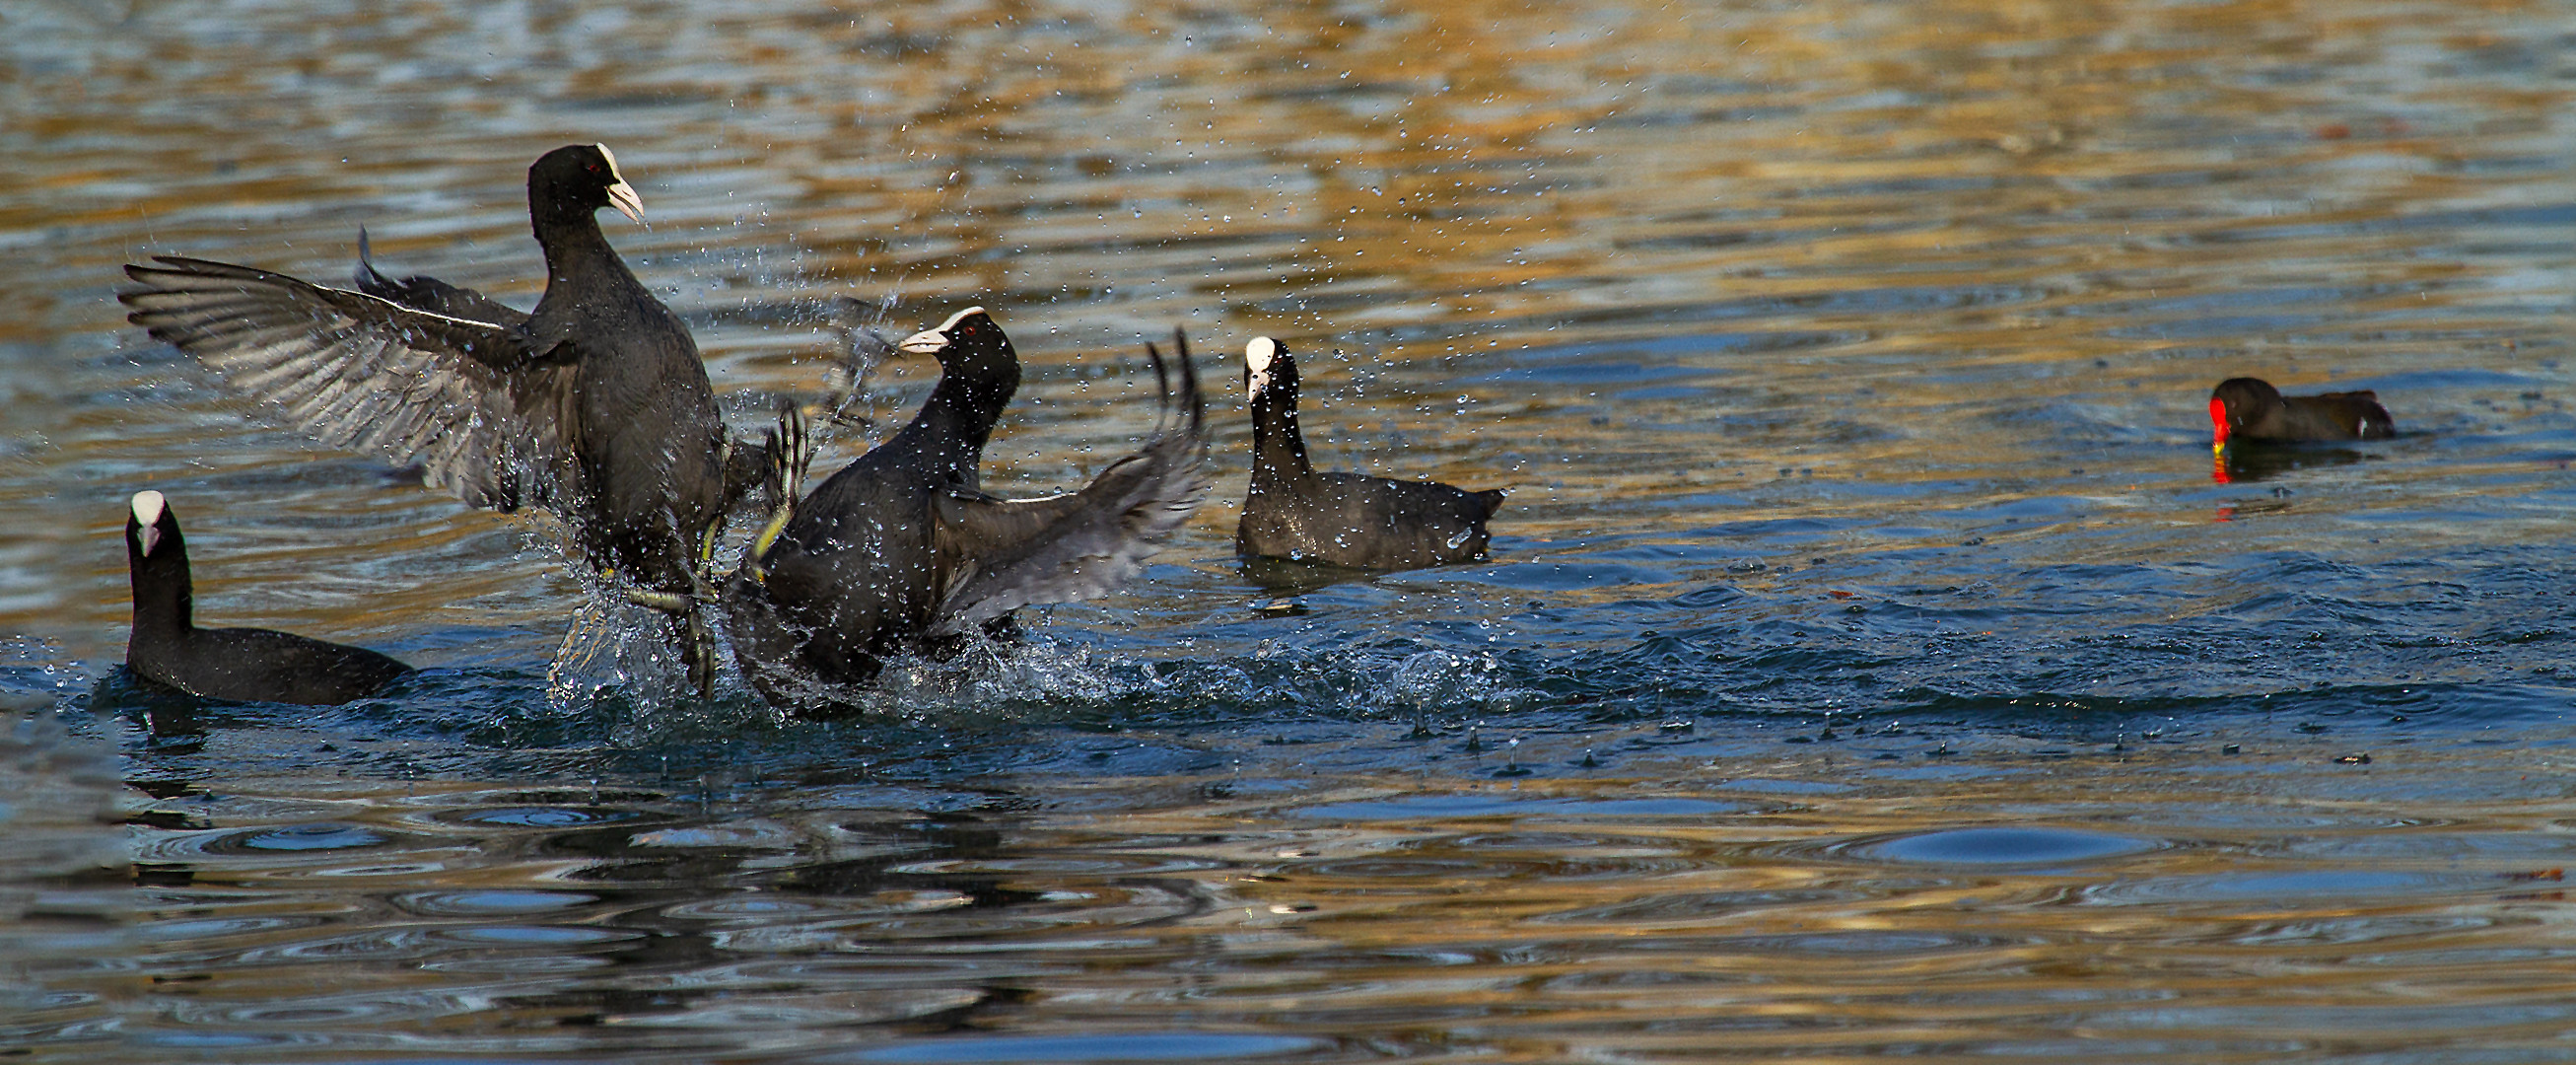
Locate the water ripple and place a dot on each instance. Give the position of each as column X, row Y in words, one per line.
column 2014, row 846
column 1873, row 662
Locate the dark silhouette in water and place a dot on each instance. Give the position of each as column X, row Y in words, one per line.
column 2250, row 409
column 2248, row 418
column 1345, row 519
column 2258, row 462
column 244, row 665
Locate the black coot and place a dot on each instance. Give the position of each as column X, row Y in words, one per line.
column 244, row 665
column 1344, row 519
column 594, row 407
column 900, row 550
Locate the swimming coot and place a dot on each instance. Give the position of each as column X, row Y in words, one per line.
column 244, row 665
column 1345, row 519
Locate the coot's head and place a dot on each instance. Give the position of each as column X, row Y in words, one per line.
column 971, row 349
column 156, row 558
column 2238, row 402
column 149, row 525
column 1268, row 371
column 577, row 179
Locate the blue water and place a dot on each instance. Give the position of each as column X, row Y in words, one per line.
column 1872, row 662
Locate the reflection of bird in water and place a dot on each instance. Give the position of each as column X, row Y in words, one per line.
column 973, row 864
column 595, row 406
column 1294, row 512
column 2249, row 463
column 2247, row 412
column 900, row 551
column 243, row 665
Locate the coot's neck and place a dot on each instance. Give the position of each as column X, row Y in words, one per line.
column 958, row 419
column 165, row 600
column 577, row 253
column 1278, row 447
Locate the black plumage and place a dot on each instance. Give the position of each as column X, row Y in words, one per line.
column 423, row 293
column 1293, row 511
column 245, row 665
column 901, row 549
column 2250, row 409
column 595, row 406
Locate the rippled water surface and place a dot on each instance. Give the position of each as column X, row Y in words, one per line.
column 1872, row 662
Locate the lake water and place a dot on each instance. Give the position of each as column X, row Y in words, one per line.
column 1871, row 664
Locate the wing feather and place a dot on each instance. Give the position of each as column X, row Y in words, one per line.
column 1012, row 553
column 423, row 293
column 466, row 400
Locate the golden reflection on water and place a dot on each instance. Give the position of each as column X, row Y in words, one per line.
column 1887, row 220
column 1678, row 276
column 2143, row 906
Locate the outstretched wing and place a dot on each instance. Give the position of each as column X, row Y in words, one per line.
column 424, row 293
column 483, row 416
column 1010, row 553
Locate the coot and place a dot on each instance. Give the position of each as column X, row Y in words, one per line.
column 1345, row 519
column 244, row 665
column 594, row 407
column 900, row 551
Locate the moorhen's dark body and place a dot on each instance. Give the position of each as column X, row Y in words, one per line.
column 1345, row 519
column 900, row 549
column 2251, row 410
column 243, row 665
column 595, row 406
